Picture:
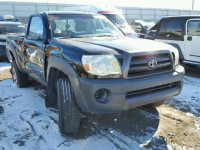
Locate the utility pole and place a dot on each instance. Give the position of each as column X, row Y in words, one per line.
column 192, row 5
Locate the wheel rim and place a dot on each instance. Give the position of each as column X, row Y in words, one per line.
column 14, row 75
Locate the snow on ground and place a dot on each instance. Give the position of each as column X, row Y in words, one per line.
column 177, row 147
column 4, row 66
column 197, row 124
column 189, row 99
column 25, row 122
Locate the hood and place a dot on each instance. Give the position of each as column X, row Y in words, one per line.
column 4, row 36
column 116, row 45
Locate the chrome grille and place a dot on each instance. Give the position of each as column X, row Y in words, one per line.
column 139, row 65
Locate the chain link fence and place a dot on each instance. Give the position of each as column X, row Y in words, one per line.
column 23, row 10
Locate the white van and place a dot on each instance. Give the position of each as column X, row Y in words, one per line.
column 111, row 13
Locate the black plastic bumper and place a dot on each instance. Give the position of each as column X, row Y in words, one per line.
column 127, row 94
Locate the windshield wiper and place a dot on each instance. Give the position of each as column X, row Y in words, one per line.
column 105, row 35
column 74, row 37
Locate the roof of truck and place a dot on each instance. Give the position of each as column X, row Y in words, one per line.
column 70, row 12
column 183, row 16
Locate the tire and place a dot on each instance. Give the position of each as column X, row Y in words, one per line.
column 153, row 105
column 20, row 78
column 69, row 113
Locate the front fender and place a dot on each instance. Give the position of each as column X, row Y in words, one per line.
column 64, row 66
column 181, row 57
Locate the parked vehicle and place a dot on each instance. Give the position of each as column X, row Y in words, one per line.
column 9, row 18
column 146, row 24
column 89, row 65
column 139, row 29
column 152, row 32
column 111, row 13
column 182, row 32
column 6, row 29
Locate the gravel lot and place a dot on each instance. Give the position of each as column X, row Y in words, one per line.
column 25, row 123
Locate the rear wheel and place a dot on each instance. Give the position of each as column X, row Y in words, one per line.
column 20, row 78
column 69, row 113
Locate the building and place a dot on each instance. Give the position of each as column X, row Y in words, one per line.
column 23, row 10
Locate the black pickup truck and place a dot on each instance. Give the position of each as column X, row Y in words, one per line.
column 88, row 65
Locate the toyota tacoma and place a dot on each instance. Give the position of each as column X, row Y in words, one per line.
column 88, row 65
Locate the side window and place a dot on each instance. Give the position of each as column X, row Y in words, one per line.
column 193, row 28
column 171, row 29
column 36, row 29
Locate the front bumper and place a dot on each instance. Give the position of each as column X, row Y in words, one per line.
column 126, row 94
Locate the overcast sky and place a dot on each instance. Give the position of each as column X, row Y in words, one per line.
column 173, row 4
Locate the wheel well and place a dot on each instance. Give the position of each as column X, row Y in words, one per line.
column 51, row 91
column 12, row 56
column 56, row 74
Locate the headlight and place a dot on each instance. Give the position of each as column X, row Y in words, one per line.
column 101, row 65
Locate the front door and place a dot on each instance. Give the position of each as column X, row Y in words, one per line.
column 192, row 39
column 35, row 48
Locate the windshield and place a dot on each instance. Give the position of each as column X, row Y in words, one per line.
column 82, row 26
column 118, row 19
column 11, row 28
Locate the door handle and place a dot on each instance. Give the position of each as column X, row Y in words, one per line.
column 189, row 38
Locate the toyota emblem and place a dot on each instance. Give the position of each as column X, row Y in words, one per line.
column 153, row 63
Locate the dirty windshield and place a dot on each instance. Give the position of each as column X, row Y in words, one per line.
column 82, row 26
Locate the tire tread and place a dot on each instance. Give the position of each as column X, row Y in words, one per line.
column 69, row 113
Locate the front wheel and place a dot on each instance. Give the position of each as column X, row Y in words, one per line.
column 69, row 113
